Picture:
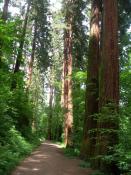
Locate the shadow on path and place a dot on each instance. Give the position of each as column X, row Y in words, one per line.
column 48, row 159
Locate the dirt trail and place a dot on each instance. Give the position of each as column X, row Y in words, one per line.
column 49, row 159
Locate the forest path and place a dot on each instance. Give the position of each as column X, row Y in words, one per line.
column 49, row 159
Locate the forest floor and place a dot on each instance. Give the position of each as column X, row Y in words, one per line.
column 49, row 159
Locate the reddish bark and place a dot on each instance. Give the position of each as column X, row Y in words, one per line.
column 62, row 87
column 90, row 124
column 109, row 82
column 68, row 106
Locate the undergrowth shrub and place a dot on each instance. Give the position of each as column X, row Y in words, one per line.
column 71, row 152
column 11, row 153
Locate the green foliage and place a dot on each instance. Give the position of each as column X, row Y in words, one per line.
column 23, row 117
column 15, row 110
column 8, row 38
column 15, row 149
column 79, row 79
column 123, row 158
column 18, row 143
column 79, row 76
column 57, row 123
column 43, row 38
column 125, row 127
column 85, row 164
column 5, row 98
column 123, row 149
column 71, row 152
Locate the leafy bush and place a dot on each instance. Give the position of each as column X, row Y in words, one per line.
column 16, row 148
column 71, row 152
column 123, row 158
column 85, row 164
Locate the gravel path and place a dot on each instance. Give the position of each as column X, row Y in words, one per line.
column 49, row 159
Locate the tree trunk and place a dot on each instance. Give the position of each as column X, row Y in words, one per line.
column 20, row 51
column 108, row 122
column 90, row 124
column 32, row 56
column 22, row 40
column 68, row 106
column 62, row 87
column 5, row 10
column 50, row 113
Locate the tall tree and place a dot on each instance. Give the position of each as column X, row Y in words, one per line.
column 31, row 62
column 22, row 40
column 43, row 44
column 88, row 145
column 68, row 106
column 108, row 122
column 21, row 46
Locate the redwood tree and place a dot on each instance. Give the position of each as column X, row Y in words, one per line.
column 108, row 83
column 90, row 123
column 68, row 106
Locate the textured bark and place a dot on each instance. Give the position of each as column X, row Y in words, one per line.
column 32, row 56
column 109, row 82
column 68, row 106
column 90, row 123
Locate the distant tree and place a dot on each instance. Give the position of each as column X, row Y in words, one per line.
column 31, row 62
column 68, row 106
column 43, row 38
